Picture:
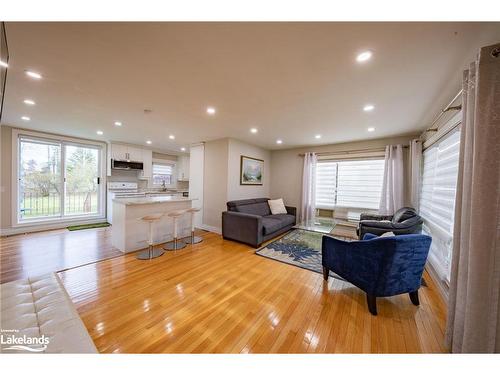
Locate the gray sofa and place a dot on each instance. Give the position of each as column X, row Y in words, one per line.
column 250, row 221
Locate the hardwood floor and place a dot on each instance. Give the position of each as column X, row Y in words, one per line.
column 39, row 253
column 219, row 297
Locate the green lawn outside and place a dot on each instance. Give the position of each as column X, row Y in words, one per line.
column 37, row 206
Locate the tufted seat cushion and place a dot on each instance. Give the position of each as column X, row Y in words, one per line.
column 40, row 306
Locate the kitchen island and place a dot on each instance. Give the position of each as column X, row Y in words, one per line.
column 130, row 233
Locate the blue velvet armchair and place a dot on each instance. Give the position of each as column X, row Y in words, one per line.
column 380, row 266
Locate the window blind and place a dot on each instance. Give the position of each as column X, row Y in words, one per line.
column 359, row 183
column 326, row 184
column 162, row 174
column 353, row 183
column 162, row 169
column 437, row 199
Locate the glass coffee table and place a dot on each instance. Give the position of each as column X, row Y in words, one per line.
column 319, row 224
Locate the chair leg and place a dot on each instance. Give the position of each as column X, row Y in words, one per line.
column 326, row 273
column 414, row 298
column 372, row 304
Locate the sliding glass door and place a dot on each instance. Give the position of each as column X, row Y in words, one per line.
column 82, row 180
column 40, row 184
column 58, row 180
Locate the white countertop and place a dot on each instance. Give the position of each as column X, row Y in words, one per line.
column 151, row 200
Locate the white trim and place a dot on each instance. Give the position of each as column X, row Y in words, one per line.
column 441, row 285
column 447, row 127
column 164, row 161
column 101, row 146
column 210, row 228
column 353, row 156
column 46, row 226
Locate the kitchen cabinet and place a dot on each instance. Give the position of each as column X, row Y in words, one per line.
column 183, row 168
column 147, row 165
column 118, row 152
column 125, row 152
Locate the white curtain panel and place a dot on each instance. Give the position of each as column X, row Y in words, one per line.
column 392, row 197
column 473, row 324
column 415, row 171
column 308, row 208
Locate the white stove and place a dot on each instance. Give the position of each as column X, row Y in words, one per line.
column 121, row 190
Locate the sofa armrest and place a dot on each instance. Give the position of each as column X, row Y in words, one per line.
column 239, row 226
column 292, row 211
column 375, row 227
column 382, row 224
column 368, row 216
column 369, row 236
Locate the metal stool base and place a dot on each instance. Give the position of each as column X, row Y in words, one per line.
column 192, row 239
column 175, row 245
column 155, row 253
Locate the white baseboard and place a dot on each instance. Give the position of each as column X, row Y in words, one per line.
column 210, row 228
column 441, row 287
column 43, row 227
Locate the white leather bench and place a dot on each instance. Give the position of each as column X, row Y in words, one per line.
column 39, row 306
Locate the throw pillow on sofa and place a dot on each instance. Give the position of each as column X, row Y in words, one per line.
column 277, row 206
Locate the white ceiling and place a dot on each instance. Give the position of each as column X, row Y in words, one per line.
column 289, row 80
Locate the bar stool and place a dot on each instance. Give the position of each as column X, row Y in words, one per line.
column 151, row 252
column 193, row 239
column 175, row 244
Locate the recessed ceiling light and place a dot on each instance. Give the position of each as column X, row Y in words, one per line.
column 364, row 56
column 279, row 141
column 211, row 110
column 171, row 136
column 34, row 75
column 183, row 148
column 371, row 129
column 368, row 107
column 317, row 136
column 29, row 102
column 4, row 64
column 25, row 118
column 148, row 142
column 100, row 132
column 118, row 123
column 253, row 130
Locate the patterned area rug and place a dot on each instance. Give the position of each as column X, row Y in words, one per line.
column 300, row 248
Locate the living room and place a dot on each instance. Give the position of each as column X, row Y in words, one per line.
column 247, row 190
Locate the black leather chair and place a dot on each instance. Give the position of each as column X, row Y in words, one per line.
column 404, row 221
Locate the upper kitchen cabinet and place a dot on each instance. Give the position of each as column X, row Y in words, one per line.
column 147, row 161
column 183, row 168
column 125, row 152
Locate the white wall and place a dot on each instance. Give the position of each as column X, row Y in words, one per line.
column 5, row 176
column 215, row 183
column 221, row 181
column 196, row 167
column 234, row 189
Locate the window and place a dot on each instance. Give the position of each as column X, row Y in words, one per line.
column 162, row 174
column 352, row 183
column 437, row 199
column 57, row 179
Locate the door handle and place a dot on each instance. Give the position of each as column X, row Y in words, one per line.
column 98, row 180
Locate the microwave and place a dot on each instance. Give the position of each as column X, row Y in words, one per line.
column 126, row 165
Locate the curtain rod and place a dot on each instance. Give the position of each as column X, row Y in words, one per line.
column 449, row 107
column 351, row 151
